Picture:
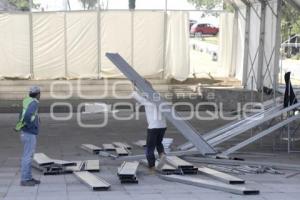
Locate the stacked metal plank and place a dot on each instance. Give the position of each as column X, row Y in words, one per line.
column 87, row 165
column 91, row 148
column 182, row 165
column 122, row 144
column 127, row 172
column 50, row 166
column 122, row 149
column 109, row 147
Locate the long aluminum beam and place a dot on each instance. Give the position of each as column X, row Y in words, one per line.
column 250, row 119
column 223, row 177
column 94, row 182
column 251, row 124
column 242, row 163
column 172, row 153
column 183, row 127
column 215, row 185
column 260, row 135
column 231, row 126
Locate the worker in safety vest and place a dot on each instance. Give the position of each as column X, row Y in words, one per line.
column 28, row 124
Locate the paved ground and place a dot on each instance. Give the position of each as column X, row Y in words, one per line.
column 61, row 140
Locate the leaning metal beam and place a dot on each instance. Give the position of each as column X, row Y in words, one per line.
column 260, row 135
column 230, row 134
column 183, row 127
column 215, row 185
column 230, row 127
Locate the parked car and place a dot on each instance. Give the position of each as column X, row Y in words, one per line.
column 203, row 29
column 192, row 22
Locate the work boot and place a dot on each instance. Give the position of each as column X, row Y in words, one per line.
column 152, row 170
column 36, row 181
column 28, row 183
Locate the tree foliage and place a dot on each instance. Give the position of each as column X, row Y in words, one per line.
column 205, row 4
column 20, row 4
column 88, row 4
column 290, row 21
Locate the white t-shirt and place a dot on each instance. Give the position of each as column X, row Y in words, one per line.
column 154, row 116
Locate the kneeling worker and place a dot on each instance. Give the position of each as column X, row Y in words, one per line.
column 29, row 126
column 156, row 128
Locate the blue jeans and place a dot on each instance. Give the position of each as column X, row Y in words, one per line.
column 29, row 144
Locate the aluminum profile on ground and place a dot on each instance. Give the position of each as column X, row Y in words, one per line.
column 91, row 148
column 127, row 172
column 78, row 167
column 92, row 181
column 51, row 169
column 215, row 185
column 122, row 144
column 121, row 151
column 92, row 165
column 225, row 178
column 109, row 147
column 184, row 166
column 172, row 153
column 64, row 163
column 140, row 143
column 41, row 159
column 184, row 127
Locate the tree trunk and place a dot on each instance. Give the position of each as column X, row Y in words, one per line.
column 131, row 4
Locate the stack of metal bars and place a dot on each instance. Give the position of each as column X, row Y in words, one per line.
column 122, row 145
column 182, row 165
column 87, row 165
column 91, row 148
column 109, row 147
column 50, row 166
column 121, row 151
column 127, row 172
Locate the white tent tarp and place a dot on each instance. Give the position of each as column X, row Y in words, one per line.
column 14, row 45
column 66, row 44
